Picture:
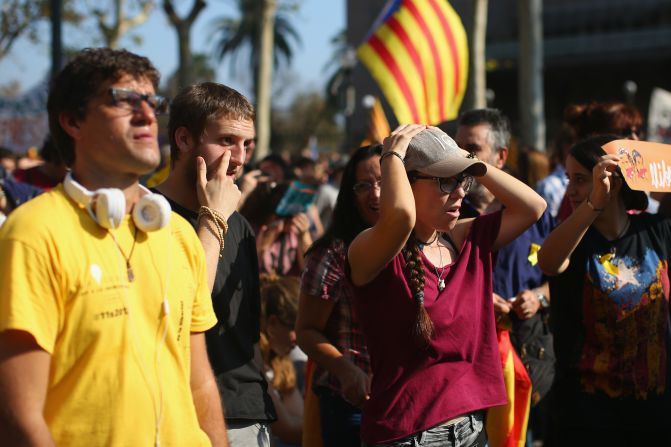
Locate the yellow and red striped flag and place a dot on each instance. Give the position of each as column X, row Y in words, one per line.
column 419, row 57
column 507, row 424
column 378, row 126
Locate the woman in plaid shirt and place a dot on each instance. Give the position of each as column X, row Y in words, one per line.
column 326, row 328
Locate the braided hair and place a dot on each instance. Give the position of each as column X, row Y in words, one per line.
column 423, row 329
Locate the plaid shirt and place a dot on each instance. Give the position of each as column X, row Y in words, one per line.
column 324, row 278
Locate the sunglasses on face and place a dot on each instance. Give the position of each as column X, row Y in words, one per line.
column 365, row 187
column 130, row 98
column 448, row 184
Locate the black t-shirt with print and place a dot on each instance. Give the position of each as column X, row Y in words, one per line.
column 610, row 317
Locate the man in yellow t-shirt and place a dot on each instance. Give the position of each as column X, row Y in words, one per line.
column 104, row 295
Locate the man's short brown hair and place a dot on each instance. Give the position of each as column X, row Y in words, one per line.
column 197, row 105
column 81, row 79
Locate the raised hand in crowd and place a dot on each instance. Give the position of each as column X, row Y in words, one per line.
column 267, row 234
column 217, row 189
column 248, row 183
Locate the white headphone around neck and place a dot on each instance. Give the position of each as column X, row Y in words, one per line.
column 107, row 206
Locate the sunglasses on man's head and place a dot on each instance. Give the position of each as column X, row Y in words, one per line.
column 449, row 184
column 123, row 97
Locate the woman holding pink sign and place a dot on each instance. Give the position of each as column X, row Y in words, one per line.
column 610, row 308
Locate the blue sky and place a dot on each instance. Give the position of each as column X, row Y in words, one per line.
column 317, row 22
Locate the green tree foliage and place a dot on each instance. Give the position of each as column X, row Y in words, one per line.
column 335, row 86
column 307, row 116
column 234, row 36
column 20, row 18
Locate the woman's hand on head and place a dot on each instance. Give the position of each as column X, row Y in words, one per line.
column 602, row 175
column 400, row 138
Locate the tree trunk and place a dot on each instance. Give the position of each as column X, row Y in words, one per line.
column 476, row 98
column 113, row 41
column 530, row 73
column 184, row 45
column 265, row 77
column 183, row 29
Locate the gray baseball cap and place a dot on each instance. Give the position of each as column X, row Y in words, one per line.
column 433, row 152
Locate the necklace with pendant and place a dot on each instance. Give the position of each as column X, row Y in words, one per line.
column 441, row 281
column 129, row 268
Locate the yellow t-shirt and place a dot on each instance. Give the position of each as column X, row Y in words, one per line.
column 64, row 280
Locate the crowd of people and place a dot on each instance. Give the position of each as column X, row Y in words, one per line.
column 342, row 301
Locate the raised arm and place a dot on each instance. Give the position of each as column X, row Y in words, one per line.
column 523, row 206
column 372, row 249
column 553, row 257
column 24, row 372
column 222, row 195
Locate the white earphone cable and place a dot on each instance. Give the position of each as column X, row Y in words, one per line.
column 166, row 324
column 134, row 337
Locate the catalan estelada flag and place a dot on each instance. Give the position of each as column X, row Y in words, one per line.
column 378, row 126
column 507, row 424
column 418, row 54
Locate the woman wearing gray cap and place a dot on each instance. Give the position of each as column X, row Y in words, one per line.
column 422, row 285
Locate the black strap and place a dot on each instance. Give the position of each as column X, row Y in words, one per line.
column 280, row 261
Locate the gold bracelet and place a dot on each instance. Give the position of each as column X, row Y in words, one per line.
column 220, row 220
column 592, row 207
column 220, row 225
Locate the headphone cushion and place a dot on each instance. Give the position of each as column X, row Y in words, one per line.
column 151, row 212
column 110, row 207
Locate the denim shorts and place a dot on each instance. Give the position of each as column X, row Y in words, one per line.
column 469, row 432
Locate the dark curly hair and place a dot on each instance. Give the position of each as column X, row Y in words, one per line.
column 81, row 80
